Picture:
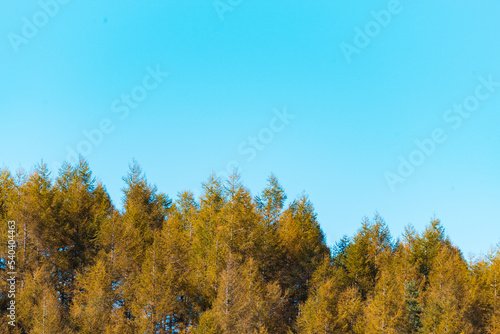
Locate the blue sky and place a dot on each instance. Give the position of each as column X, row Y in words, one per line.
column 223, row 70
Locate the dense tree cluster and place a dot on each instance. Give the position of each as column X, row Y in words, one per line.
column 224, row 263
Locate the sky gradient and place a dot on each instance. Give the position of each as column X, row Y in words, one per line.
column 405, row 122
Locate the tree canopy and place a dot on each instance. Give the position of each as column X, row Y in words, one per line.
column 226, row 262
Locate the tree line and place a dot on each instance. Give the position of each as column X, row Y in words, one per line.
column 226, row 262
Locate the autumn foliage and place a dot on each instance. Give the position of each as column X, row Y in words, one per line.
column 226, row 262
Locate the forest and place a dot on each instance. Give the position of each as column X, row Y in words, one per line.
column 226, row 262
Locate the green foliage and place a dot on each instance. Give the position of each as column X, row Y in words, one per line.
column 413, row 307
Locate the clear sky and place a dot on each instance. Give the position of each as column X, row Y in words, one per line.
column 384, row 106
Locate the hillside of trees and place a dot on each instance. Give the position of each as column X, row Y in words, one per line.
column 226, row 262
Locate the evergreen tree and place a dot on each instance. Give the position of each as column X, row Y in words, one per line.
column 413, row 308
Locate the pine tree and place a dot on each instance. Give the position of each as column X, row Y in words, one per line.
column 413, row 308
column 271, row 202
column 340, row 252
column 7, row 190
column 176, row 237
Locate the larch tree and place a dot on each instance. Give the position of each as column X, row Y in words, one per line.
column 208, row 252
column 80, row 206
column 319, row 314
column 446, row 294
column 270, row 204
column 145, row 211
column 362, row 254
column 304, row 247
column 493, row 292
column 39, row 307
column 385, row 308
column 94, row 298
column 350, row 319
column 226, row 262
column 426, row 246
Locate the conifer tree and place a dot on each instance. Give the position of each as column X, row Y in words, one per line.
column 240, row 230
column 413, row 308
column 319, row 314
column 270, row 206
column 304, row 243
column 144, row 214
column 362, row 259
column 350, row 311
column 209, row 254
column 228, row 305
column 145, row 211
column 94, row 299
column 493, row 293
column 175, row 242
column 446, row 294
column 226, row 263
column 39, row 309
column 426, row 246
column 479, row 307
column 385, row 307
